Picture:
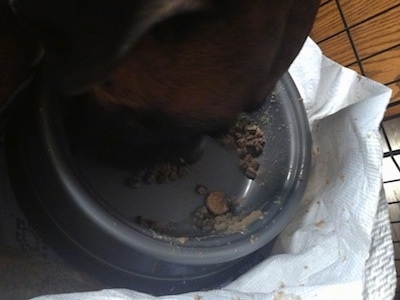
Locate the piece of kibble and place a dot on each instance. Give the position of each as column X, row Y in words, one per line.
column 217, row 203
column 251, row 129
column 244, row 165
column 255, row 165
column 254, row 149
column 251, row 173
column 201, row 189
column 248, row 158
column 241, row 142
column 242, row 152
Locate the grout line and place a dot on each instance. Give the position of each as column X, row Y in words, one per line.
column 394, row 103
column 388, row 118
column 325, row 3
column 331, row 36
column 375, row 54
column 391, row 181
column 393, row 203
column 396, row 164
column 394, row 81
column 371, row 17
column 391, row 153
column 382, row 127
column 347, row 29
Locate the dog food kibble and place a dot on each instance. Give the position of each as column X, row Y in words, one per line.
column 218, row 215
column 249, row 140
column 251, row 173
column 255, row 165
column 228, row 222
column 161, row 173
column 217, row 203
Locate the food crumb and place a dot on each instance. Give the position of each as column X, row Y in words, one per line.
column 320, row 224
column 183, row 239
column 158, row 174
column 253, row 239
column 229, row 221
column 242, row 224
column 201, row 190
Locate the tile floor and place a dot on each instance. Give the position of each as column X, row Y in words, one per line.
column 390, row 132
column 363, row 35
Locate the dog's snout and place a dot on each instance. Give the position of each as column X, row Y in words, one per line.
column 195, row 64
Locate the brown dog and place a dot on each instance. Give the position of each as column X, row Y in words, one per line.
column 179, row 66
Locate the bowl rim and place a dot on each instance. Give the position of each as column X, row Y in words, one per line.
column 77, row 200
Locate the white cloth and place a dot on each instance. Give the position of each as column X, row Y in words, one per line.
column 338, row 246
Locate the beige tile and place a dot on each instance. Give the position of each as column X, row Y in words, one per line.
column 389, row 170
column 393, row 111
column 327, row 23
column 397, row 264
column 395, row 86
column 394, row 211
column 355, row 67
column 397, row 159
column 392, row 129
column 356, row 11
column 385, row 67
column 385, row 147
column 396, row 247
column 377, row 34
column 339, row 49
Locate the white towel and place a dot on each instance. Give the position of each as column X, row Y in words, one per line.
column 339, row 244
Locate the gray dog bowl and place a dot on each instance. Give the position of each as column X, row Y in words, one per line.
column 76, row 195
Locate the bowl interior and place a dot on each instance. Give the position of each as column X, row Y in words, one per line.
column 166, row 211
column 69, row 172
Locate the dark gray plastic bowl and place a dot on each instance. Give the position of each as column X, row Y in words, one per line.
column 80, row 204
